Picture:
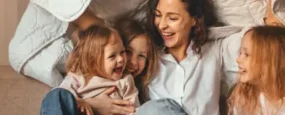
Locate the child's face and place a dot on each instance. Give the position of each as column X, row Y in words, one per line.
column 115, row 58
column 137, row 54
column 244, row 59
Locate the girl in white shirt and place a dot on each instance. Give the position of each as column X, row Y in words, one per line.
column 261, row 87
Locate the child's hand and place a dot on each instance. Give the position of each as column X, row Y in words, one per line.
column 84, row 107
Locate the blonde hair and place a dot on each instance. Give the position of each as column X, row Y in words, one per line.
column 128, row 30
column 88, row 54
column 267, row 64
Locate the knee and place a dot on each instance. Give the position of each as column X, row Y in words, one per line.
column 162, row 102
column 58, row 94
column 161, row 106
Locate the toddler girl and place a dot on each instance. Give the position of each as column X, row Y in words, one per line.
column 97, row 63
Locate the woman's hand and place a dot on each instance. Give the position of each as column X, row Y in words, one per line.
column 104, row 105
column 84, row 107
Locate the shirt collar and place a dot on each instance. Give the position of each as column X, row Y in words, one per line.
column 169, row 57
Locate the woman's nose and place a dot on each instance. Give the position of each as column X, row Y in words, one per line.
column 162, row 24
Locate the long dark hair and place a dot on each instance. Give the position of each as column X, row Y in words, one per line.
column 201, row 10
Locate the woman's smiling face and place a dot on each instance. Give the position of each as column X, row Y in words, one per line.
column 173, row 22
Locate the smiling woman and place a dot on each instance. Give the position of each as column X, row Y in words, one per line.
column 190, row 65
column 180, row 20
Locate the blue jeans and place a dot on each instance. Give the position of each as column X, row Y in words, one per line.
column 161, row 107
column 59, row 102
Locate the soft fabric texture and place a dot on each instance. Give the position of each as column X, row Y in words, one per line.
column 266, row 108
column 96, row 85
column 160, row 107
column 247, row 12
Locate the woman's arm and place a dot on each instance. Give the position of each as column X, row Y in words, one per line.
column 229, row 52
column 105, row 105
column 65, row 10
column 271, row 18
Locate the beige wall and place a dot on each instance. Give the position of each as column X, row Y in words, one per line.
column 10, row 14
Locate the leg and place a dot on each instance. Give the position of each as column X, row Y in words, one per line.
column 59, row 102
column 161, row 107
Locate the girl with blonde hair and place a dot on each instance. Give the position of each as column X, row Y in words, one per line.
column 141, row 52
column 96, row 64
column 261, row 87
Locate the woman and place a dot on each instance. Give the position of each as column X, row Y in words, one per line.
column 191, row 65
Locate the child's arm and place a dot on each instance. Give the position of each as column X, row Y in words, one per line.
column 130, row 91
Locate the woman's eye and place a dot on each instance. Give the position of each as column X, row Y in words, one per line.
column 156, row 14
column 173, row 19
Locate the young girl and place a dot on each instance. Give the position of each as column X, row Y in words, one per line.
column 97, row 63
column 261, row 87
column 141, row 53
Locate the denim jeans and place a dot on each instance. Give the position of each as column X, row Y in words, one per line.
column 59, row 102
column 160, row 107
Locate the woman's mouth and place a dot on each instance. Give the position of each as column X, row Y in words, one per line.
column 167, row 35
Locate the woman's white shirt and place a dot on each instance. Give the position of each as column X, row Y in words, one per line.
column 194, row 83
